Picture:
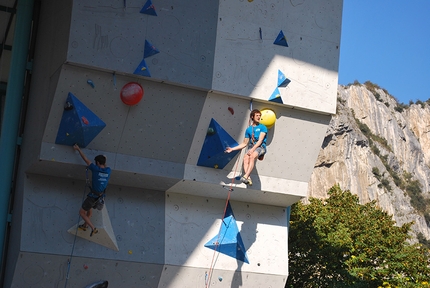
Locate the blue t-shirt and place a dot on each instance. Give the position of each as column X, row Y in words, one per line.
column 100, row 177
column 256, row 131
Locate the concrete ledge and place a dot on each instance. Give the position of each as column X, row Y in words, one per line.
column 208, row 182
column 132, row 171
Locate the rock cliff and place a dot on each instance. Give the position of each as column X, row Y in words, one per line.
column 378, row 149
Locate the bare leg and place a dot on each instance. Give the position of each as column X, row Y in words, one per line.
column 86, row 215
column 249, row 163
column 90, row 213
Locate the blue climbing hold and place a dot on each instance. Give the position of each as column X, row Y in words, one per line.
column 142, row 69
column 79, row 125
column 150, row 50
column 229, row 241
column 276, row 96
column 281, row 40
column 282, row 80
column 91, row 83
column 148, row 8
column 213, row 150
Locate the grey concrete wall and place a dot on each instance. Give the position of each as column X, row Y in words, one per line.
column 156, row 143
column 157, row 233
column 50, row 207
column 43, row 272
column 219, row 47
column 248, row 65
column 160, row 126
column 111, row 36
column 48, row 270
column 192, row 221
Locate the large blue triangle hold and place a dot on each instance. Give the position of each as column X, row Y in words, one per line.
column 216, row 141
column 282, row 80
column 150, row 50
column 276, row 96
column 79, row 125
column 142, row 69
column 148, row 8
column 229, row 241
column 281, row 40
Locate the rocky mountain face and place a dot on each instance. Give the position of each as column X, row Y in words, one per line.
column 379, row 149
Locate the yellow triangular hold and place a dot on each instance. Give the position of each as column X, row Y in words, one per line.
column 105, row 236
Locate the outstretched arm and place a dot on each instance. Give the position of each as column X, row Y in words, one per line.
column 238, row 147
column 76, row 147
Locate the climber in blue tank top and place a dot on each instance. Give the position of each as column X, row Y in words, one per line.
column 100, row 175
column 255, row 141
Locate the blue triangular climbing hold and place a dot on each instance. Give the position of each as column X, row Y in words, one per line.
column 149, row 50
column 276, row 96
column 142, row 69
column 282, row 80
column 216, row 141
column 281, row 39
column 78, row 124
column 148, row 8
column 229, row 241
column 228, row 210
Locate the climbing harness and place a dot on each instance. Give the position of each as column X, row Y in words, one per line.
column 99, row 198
column 261, row 157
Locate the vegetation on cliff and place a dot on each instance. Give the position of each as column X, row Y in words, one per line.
column 338, row 242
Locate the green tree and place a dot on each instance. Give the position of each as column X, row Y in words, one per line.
column 338, row 242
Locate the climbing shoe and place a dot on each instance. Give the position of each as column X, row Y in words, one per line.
column 249, row 182
column 82, row 227
column 244, row 180
column 94, row 231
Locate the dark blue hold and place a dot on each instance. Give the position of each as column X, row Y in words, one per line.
column 211, row 131
column 148, row 8
column 78, row 125
column 216, row 141
column 91, row 83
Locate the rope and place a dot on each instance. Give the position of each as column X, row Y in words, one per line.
column 250, row 109
column 208, row 276
column 69, row 261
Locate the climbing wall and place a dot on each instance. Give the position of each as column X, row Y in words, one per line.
column 161, row 88
column 183, row 33
column 295, row 37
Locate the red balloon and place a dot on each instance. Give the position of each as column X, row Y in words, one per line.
column 131, row 93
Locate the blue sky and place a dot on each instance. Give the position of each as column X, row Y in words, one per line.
column 387, row 43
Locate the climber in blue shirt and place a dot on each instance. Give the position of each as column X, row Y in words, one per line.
column 255, row 141
column 95, row 199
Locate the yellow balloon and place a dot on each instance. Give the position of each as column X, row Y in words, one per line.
column 268, row 117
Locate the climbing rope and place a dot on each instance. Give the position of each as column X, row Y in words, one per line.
column 212, row 266
column 69, row 261
column 209, row 275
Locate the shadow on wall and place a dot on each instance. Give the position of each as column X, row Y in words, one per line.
column 248, row 228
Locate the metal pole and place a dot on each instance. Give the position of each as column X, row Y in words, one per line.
column 10, row 121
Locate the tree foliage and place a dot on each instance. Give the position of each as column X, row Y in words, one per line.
column 338, row 242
